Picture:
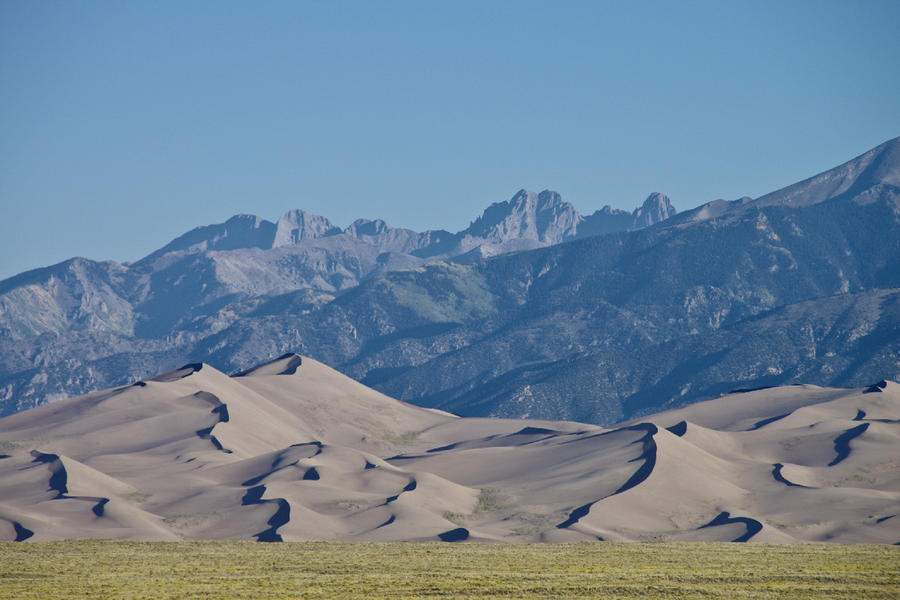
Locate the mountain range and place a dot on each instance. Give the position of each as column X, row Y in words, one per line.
column 293, row 450
column 532, row 311
column 172, row 300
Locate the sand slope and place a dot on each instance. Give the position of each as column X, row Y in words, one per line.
column 293, row 450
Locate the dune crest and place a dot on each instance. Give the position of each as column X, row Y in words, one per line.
column 293, row 450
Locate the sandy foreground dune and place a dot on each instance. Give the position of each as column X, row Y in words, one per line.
column 293, row 450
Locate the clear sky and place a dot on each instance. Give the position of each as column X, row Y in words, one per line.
column 124, row 124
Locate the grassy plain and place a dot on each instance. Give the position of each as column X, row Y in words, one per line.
column 337, row 570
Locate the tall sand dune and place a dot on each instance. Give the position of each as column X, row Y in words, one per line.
column 293, row 450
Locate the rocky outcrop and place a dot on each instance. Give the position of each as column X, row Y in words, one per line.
column 296, row 226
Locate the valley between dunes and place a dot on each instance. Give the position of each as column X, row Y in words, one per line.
column 293, row 450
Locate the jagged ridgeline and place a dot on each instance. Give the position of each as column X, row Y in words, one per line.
column 111, row 323
column 532, row 311
column 293, row 450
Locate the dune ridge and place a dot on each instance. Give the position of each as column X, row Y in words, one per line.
column 293, row 450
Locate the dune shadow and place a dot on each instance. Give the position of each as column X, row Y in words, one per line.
column 99, row 508
column 762, row 423
column 861, row 416
column 318, row 446
column 648, row 455
column 454, row 535
column 388, row 522
column 678, row 429
column 220, row 410
column 291, row 367
column 281, row 517
column 842, row 443
column 281, row 462
column 776, row 473
column 408, row 488
column 59, row 480
column 293, row 364
column 179, row 373
column 58, row 475
column 258, row 478
column 576, row 515
column 753, row 389
column 875, row 388
column 440, row 449
column 724, row 518
column 22, row 532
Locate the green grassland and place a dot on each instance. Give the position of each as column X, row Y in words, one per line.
column 337, row 570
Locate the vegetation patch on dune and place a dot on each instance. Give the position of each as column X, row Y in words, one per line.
column 405, row 437
column 489, row 499
column 341, row 570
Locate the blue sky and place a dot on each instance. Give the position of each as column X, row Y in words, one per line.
column 124, row 124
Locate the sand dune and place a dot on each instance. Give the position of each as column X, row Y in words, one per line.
column 293, row 450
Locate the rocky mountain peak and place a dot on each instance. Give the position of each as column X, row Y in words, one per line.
column 656, row 208
column 543, row 217
column 368, row 227
column 885, row 168
column 549, row 198
column 297, row 225
column 609, row 210
column 246, row 221
column 871, row 176
column 240, row 231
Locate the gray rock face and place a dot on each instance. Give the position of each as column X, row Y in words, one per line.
column 606, row 220
column 389, row 239
column 730, row 295
column 240, row 231
column 75, row 294
column 297, row 225
column 656, row 209
column 543, row 217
